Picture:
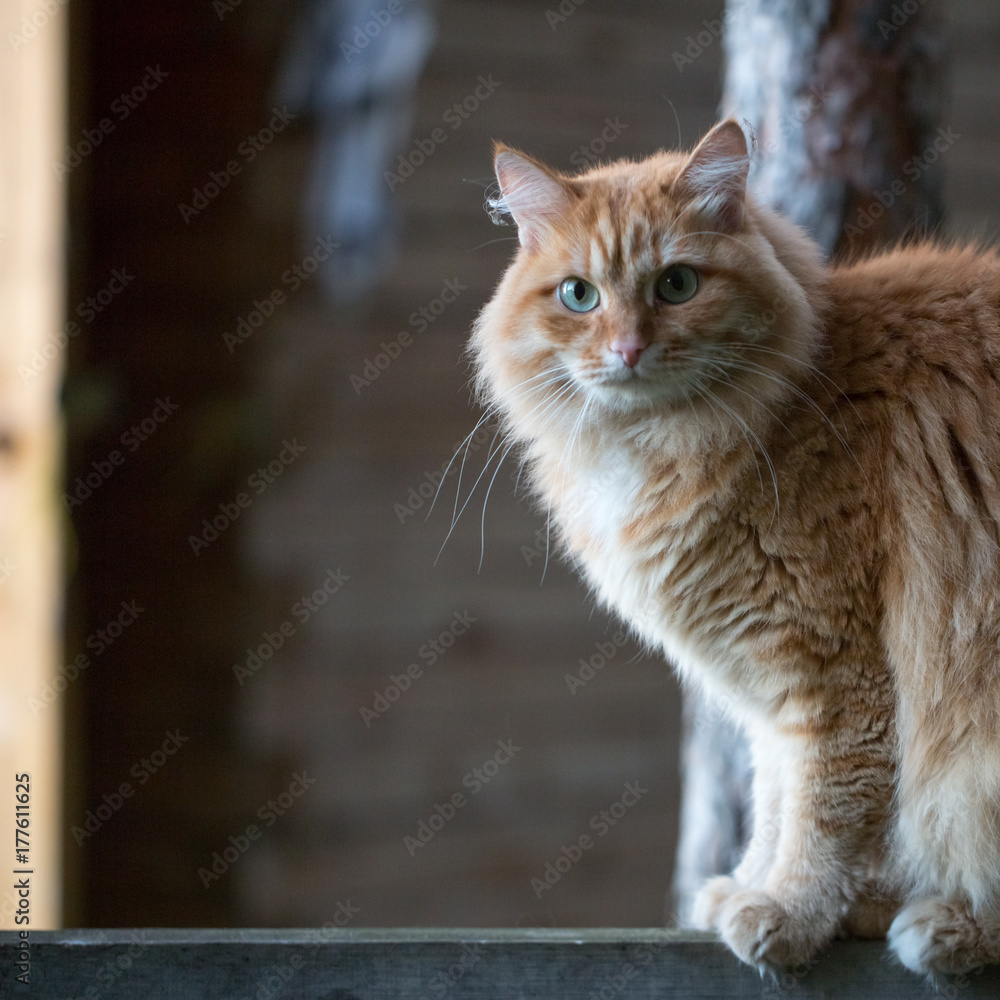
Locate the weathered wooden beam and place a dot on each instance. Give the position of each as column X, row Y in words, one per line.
column 409, row 964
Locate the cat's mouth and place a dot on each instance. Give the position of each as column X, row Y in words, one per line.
column 631, row 387
column 613, row 376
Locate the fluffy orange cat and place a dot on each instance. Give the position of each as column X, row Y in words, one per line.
column 787, row 477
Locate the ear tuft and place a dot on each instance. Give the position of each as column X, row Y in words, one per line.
column 533, row 195
column 716, row 175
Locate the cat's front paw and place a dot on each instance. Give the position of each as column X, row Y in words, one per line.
column 709, row 900
column 940, row 935
column 762, row 932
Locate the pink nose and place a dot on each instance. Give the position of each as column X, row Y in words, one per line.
column 629, row 351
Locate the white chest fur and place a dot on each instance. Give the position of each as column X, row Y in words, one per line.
column 653, row 583
column 594, row 508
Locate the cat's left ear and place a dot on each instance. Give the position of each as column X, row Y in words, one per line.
column 531, row 193
column 715, row 177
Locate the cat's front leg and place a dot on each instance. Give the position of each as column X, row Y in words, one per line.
column 832, row 809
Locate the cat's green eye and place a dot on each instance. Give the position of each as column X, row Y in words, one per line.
column 677, row 283
column 579, row 295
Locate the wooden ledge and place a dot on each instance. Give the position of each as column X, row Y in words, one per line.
column 410, row 964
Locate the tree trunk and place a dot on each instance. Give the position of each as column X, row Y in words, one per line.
column 844, row 99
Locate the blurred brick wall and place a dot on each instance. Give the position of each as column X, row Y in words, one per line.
column 270, row 649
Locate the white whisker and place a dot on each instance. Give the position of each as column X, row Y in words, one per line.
column 482, row 526
column 565, row 391
column 466, row 442
column 748, row 430
column 499, row 239
column 752, row 368
column 574, row 431
column 725, row 380
column 491, row 411
column 707, row 395
column 798, row 390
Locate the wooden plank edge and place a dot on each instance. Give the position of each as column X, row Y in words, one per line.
column 462, row 964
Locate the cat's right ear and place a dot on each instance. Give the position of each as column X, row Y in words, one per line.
column 535, row 197
column 715, row 177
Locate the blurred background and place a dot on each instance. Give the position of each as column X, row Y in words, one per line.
column 281, row 689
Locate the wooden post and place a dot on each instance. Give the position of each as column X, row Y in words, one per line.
column 31, row 359
column 845, row 100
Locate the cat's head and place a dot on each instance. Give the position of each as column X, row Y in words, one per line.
column 641, row 287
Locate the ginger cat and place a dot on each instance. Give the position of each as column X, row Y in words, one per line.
column 787, row 477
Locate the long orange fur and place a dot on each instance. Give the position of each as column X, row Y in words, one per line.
column 794, row 492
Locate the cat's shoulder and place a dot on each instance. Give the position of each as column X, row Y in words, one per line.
column 930, row 279
column 929, row 263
